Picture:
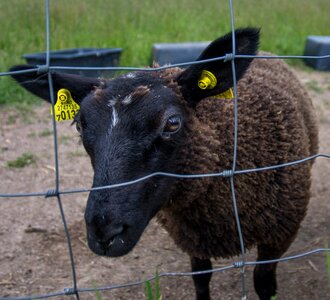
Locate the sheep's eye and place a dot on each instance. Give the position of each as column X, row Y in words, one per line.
column 173, row 124
column 78, row 127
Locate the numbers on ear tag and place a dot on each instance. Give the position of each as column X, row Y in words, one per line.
column 65, row 107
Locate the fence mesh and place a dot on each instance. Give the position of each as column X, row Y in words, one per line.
column 57, row 191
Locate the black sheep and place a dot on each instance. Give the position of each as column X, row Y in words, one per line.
column 178, row 121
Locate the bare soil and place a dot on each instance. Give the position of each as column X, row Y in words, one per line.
column 33, row 249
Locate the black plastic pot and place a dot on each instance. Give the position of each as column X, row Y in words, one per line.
column 175, row 53
column 80, row 57
column 318, row 46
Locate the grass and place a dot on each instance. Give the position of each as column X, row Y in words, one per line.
column 327, row 254
column 98, row 294
column 64, row 139
column 149, row 293
column 136, row 25
column 22, row 161
column 313, row 85
column 45, row 132
column 19, row 111
column 77, row 153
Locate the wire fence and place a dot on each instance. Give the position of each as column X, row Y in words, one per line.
column 57, row 192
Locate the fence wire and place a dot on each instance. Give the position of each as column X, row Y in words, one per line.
column 57, row 192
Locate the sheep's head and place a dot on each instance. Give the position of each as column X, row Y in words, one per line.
column 135, row 125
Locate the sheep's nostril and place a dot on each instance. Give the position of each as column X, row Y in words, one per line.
column 115, row 230
column 110, row 237
column 106, row 244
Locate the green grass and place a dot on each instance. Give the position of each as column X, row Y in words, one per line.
column 24, row 160
column 328, row 266
column 98, row 294
column 19, row 111
column 136, row 25
column 148, row 291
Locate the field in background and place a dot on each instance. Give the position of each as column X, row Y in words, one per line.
column 136, row 25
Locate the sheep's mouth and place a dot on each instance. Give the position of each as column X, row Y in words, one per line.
column 118, row 245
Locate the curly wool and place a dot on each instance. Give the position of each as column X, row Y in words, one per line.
column 276, row 124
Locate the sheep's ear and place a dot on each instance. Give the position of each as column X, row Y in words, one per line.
column 38, row 84
column 196, row 83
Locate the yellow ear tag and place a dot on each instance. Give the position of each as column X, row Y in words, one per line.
column 65, row 107
column 207, row 80
column 226, row 94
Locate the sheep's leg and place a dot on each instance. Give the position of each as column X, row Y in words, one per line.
column 265, row 274
column 201, row 281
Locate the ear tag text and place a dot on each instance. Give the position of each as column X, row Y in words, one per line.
column 65, row 107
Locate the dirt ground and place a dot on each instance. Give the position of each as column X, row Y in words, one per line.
column 33, row 250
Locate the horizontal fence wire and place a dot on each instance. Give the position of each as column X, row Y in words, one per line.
column 230, row 56
column 225, row 173
column 57, row 192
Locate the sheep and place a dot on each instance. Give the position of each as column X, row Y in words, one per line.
column 178, row 121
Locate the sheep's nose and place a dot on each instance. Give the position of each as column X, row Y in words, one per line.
column 103, row 234
column 106, row 237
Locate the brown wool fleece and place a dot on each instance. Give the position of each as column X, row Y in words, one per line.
column 276, row 124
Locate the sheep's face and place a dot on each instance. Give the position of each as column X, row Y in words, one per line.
column 131, row 127
column 136, row 125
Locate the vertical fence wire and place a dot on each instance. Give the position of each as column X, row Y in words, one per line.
column 58, row 196
column 226, row 173
column 232, row 181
